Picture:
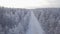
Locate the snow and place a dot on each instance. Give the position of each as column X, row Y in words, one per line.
column 34, row 26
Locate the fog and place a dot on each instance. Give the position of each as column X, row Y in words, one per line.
column 30, row 3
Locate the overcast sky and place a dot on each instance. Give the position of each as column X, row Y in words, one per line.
column 30, row 3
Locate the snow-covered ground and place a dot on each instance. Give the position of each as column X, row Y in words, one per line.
column 34, row 26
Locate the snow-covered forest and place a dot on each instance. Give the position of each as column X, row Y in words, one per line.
column 29, row 21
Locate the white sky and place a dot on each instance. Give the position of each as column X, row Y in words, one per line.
column 30, row 3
